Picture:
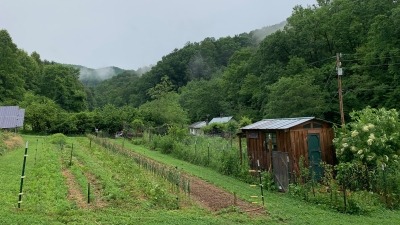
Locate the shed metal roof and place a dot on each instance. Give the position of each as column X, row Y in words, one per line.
column 277, row 124
column 11, row 117
column 198, row 125
column 221, row 119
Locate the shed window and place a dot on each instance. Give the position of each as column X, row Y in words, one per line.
column 308, row 125
column 253, row 135
column 317, row 125
column 270, row 141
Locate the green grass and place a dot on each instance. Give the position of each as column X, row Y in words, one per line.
column 135, row 199
column 281, row 207
column 126, row 190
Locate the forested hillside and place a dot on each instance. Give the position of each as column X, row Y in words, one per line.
column 291, row 72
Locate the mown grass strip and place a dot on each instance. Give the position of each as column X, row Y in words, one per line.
column 280, row 207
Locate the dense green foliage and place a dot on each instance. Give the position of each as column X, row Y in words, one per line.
column 21, row 73
column 290, row 72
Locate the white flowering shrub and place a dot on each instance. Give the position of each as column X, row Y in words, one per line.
column 368, row 149
column 372, row 138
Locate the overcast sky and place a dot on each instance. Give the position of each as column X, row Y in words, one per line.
column 130, row 33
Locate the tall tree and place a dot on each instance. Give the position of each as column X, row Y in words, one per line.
column 60, row 83
column 11, row 82
column 295, row 97
column 202, row 99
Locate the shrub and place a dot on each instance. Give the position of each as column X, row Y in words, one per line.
column 58, row 138
column 229, row 164
column 268, row 181
column 165, row 144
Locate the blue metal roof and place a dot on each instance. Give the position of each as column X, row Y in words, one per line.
column 277, row 124
column 11, row 117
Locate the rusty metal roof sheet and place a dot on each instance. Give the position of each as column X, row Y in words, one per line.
column 277, row 124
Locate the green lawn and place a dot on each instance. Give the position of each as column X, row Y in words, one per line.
column 281, row 208
column 132, row 195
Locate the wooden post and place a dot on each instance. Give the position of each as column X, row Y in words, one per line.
column 240, row 150
column 340, row 73
column 261, row 184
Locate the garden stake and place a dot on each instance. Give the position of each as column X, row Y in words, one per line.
column 384, row 183
column 312, row 181
column 208, row 153
column 344, row 197
column 22, row 177
column 195, row 147
column 70, row 158
column 88, row 193
column 261, row 185
column 37, row 140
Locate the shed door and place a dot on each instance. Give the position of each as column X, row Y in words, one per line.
column 314, row 155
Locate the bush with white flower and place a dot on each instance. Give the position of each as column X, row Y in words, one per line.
column 368, row 149
column 372, row 138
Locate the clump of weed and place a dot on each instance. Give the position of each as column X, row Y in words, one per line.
column 9, row 141
column 59, row 139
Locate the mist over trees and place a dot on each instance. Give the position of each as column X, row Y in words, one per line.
column 291, row 72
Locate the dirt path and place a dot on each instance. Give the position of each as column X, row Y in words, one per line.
column 216, row 199
column 74, row 192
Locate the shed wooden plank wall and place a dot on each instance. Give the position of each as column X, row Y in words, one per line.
column 293, row 141
column 256, row 150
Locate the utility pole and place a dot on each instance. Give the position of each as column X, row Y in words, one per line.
column 340, row 73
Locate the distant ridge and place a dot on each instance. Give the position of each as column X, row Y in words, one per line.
column 260, row 34
column 92, row 77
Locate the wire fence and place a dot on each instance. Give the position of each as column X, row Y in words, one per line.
column 169, row 173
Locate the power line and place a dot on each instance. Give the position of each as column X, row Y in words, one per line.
column 322, row 60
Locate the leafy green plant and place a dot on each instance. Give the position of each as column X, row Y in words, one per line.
column 365, row 147
column 373, row 138
column 59, row 139
column 268, row 179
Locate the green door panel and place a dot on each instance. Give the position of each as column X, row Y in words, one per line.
column 314, row 155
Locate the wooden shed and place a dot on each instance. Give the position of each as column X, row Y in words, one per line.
column 279, row 143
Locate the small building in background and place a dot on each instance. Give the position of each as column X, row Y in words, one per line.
column 196, row 128
column 279, row 144
column 225, row 119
